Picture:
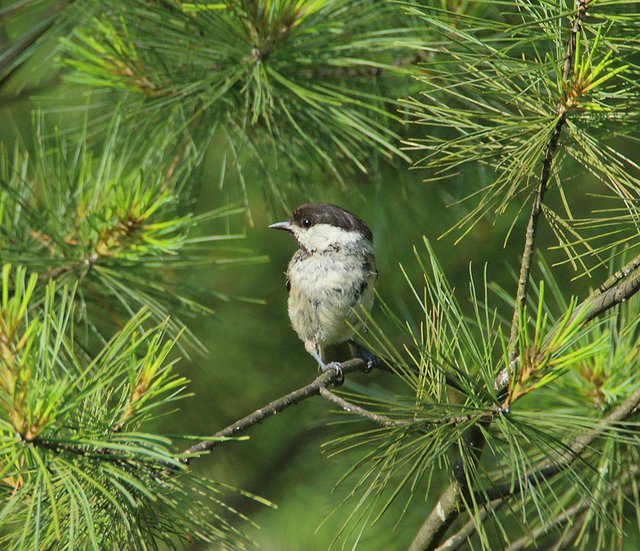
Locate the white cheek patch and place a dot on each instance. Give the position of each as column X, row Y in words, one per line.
column 323, row 236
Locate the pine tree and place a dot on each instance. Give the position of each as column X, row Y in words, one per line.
column 510, row 419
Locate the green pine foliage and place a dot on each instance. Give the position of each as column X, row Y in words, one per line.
column 293, row 85
column 77, row 470
column 116, row 220
column 510, row 417
column 496, row 94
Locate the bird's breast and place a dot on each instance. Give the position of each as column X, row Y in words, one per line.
column 324, row 290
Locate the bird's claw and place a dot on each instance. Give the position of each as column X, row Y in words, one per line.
column 368, row 357
column 337, row 367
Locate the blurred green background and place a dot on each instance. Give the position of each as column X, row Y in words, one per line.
column 254, row 355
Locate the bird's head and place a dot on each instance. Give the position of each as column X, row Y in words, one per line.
column 320, row 226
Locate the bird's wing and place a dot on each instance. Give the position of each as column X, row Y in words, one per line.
column 371, row 267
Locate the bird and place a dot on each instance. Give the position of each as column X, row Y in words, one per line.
column 329, row 278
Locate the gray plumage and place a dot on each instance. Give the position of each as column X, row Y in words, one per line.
column 332, row 273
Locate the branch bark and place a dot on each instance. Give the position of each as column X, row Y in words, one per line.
column 362, row 412
column 460, row 537
column 532, row 226
column 330, row 377
column 320, row 386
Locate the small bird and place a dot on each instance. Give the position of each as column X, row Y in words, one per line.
column 330, row 277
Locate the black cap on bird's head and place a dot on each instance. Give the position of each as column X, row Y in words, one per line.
column 313, row 214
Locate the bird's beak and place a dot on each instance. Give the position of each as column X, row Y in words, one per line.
column 281, row 226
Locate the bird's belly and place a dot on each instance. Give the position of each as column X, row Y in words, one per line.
column 321, row 299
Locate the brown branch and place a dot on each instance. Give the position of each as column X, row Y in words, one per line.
column 385, row 421
column 620, row 274
column 330, row 377
column 567, row 539
column 532, row 226
column 362, row 412
column 448, row 506
column 598, row 303
column 530, row 240
column 439, row 520
column 320, row 386
column 462, row 535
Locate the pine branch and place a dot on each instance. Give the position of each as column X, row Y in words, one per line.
column 461, row 536
column 386, row 421
column 551, row 467
column 532, row 226
column 448, row 506
column 362, row 412
column 86, row 262
column 330, row 377
column 599, row 303
column 124, row 228
column 320, row 386
column 619, row 275
column 568, row 516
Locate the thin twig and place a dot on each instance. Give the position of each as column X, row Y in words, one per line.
column 568, row 539
column 88, row 451
column 362, row 412
column 532, row 226
column 385, row 421
column 620, row 274
column 462, row 535
column 331, row 377
column 551, row 467
column 88, row 262
column 569, row 515
column 530, row 240
column 598, row 303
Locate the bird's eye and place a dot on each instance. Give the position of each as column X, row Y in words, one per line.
column 306, row 223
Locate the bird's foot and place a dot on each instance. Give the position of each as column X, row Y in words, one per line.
column 337, row 367
column 366, row 355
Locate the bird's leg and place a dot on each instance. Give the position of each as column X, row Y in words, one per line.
column 314, row 350
column 363, row 353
